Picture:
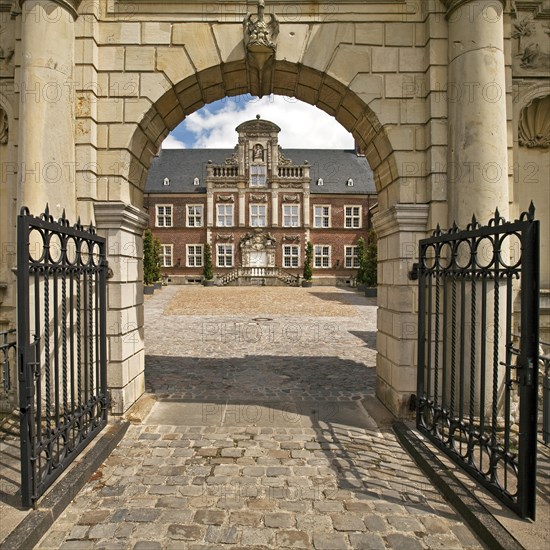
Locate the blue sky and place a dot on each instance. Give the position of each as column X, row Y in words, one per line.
column 302, row 125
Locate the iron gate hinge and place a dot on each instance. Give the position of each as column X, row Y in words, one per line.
column 413, row 273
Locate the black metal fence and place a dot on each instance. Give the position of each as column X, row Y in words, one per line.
column 477, row 391
column 61, row 344
column 7, row 357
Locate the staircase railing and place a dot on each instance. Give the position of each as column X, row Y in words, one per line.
column 258, row 273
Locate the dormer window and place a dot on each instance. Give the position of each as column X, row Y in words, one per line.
column 166, row 181
column 320, row 182
column 196, row 181
column 349, row 183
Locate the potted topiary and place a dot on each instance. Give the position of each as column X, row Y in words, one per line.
column 149, row 263
column 207, row 273
column 157, row 283
column 371, row 261
column 361, row 276
column 308, row 266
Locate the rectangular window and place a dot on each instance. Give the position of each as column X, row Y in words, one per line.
column 352, row 216
column 194, row 215
column 164, row 215
column 194, row 255
column 224, row 215
column 224, row 256
column 257, row 215
column 257, row 175
column 321, row 216
column 291, row 215
column 350, row 257
column 321, row 255
column 291, row 255
column 166, row 255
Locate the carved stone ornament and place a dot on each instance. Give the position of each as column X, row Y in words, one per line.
column 4, row 130
column 226, row 198
column 223, row 184
column 224, row 237
column 259, row 198
column 232, row 160
column 290, row 185
column 291, row 238
column 283, row 161
column 534, row 124
column 260, row 37
column 291, row 198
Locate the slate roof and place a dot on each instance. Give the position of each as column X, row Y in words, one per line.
column 335, row 167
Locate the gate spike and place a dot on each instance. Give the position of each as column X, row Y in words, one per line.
column 47, row 210
column 532, row 210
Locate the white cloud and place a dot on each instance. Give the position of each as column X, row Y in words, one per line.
column 172, row 143
column 302, row 125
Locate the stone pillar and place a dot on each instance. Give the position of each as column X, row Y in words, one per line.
column 46, row 115
column 123, row 226
column 275, row 208
column 399, row 229
column 209, row 208
column 306, row 208
column 477, row 143
column 242, row 208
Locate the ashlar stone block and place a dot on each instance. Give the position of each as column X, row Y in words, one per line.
column 199, row 42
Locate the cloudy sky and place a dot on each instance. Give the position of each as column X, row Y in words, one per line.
column 302, row 125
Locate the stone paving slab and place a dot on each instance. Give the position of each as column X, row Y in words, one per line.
column 180, row 481
column 302, row 414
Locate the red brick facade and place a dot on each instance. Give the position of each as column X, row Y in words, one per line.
column 285, row 212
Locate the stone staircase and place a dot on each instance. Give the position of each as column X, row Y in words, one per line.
column 258, row 276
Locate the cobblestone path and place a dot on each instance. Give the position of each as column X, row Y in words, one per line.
column 259, row 439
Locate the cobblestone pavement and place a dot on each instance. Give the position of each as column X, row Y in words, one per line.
column 259, row 442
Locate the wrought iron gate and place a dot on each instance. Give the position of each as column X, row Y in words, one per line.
column 477, row 387
column 61, row 342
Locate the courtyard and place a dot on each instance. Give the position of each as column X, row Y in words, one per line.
column 263, row 432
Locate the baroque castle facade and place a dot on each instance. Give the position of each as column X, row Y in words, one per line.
column 258, row 206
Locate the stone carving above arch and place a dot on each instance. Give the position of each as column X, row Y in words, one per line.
column 4, row 127
column 534, row 124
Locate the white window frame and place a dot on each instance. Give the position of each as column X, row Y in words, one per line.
column 322, row 254
column 254, row 217
column 291, row 215
column 322, row 216
column 227, row 253
column 225, row 216
column 291, row 253
column 258, row 175
column 353, row 219
column 351, row 258
column 194, row 215
column 160, row 218
column 164, row 255
column 194, row 255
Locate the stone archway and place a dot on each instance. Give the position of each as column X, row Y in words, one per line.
column 399, row 223
column 117, row 77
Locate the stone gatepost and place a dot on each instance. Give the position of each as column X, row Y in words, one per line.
column 46, row 102
column 123, row 226
column 477, row 171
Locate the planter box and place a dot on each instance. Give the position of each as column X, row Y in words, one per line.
column 307, row 284
column 148, row 289
column 371, row 292
column 209, row 283
column 157, row 286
